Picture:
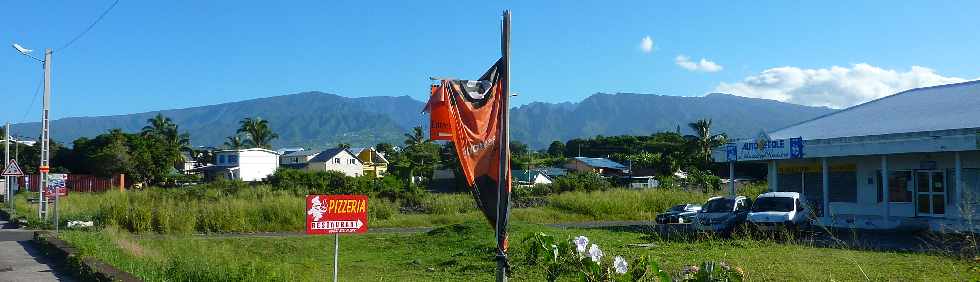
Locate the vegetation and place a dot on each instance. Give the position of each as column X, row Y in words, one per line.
column 258, row 132
column 464, row 252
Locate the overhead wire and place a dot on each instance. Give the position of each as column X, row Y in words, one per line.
column 89, row 28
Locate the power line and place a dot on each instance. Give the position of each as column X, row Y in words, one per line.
column 36, row 91
column 97, row 20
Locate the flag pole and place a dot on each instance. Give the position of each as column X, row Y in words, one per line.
column 503, row 181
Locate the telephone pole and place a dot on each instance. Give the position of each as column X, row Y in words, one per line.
column 46, row 135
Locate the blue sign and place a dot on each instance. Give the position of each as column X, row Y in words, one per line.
column 765, row 149
column 731, row 152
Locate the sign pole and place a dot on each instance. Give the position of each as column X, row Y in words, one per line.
column 503, row 181
column 6, row 162
column 336, row 255
column 731, row 177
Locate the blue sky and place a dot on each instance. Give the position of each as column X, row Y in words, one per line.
column 151, row 55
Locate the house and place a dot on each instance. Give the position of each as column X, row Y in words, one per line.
column 375, row 164
column 297, row 159
column 287, row 150
column 188, row 163
column 528, row 178
column 337, row 159
column 643, row 182
column 554, row 172
column 253, row 164
column 602, row 166
column 906, row 161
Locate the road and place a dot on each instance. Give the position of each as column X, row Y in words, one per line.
column 20, row 260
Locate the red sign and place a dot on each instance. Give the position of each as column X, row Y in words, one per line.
column 56, row 185
column 332, row 214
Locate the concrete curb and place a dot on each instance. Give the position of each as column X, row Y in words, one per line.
column 83, row 268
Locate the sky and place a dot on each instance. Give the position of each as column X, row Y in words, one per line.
column 153, row 55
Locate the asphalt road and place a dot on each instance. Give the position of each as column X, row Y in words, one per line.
column 20, row 260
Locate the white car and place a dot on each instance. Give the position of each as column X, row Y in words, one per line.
column 774, row 210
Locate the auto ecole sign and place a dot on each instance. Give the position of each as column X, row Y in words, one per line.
column 765, row 149
column 336, row 214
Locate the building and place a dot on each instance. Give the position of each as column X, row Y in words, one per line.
column 375, row 164
column 906, row 161
column 640, row 182
column 337, row 159
column 528, row 178
column 554, row 172
column 253, row 164
column 602, row 166
column 297, row 159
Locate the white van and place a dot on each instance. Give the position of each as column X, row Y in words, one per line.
column 773, row 210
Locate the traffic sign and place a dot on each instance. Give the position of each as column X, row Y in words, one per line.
column 336, row 214
column 12, row 169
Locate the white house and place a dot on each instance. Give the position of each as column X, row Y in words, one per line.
column 297, row 159
column 925, row 140
column 253, row 164
column 528, row 178
column 337, row 159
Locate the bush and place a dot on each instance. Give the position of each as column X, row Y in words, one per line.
column 585, row 182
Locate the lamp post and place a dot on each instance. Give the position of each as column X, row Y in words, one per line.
column 45, row 131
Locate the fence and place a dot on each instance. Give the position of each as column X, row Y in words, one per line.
column 76, row 182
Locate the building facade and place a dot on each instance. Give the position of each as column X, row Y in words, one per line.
column 337, row 159
column 253, row 164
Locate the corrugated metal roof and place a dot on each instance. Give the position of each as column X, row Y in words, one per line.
column 951, row 106
column 327, row 154
column 601, row 163
column 302, row 153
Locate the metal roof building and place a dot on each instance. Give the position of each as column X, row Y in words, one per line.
column 906, row 161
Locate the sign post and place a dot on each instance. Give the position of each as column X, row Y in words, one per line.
column 56, row 189
column 336, row 214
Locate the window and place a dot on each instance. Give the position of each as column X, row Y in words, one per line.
column 719, row 205
column 351, row 161
column 336, row 160
column 221, row 159
column 233, row 159
column 777, row 204
column 899, row 186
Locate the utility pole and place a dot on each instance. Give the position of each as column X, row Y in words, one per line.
column 6, row 163
column 45, row 137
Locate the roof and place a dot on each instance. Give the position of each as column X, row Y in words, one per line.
column 247, row 150
column 554, row 171
column 328, row 154
column 601, row 163
column 521, row 175
column 780, row 195
column 303, row 153
column 377, row 157
column 944, row 107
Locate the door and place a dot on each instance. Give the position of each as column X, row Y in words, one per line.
column 930, row 193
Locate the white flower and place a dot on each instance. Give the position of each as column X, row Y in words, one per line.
column 595, row 253
column 620, row 264
column 580, row 243
column 554, row 251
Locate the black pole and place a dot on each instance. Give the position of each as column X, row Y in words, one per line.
column 503, row 183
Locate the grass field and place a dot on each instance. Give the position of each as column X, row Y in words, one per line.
column 263, row 209
column 464, row 252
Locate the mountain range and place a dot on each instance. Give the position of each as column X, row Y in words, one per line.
column 321, row 120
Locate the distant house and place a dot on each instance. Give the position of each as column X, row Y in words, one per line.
column 337, row 159
column 288, row 150
column 375, row 163
column 602, row 166
column 297, row 159
column 528, row 178
column 188, row 163
column 253, row 164
column 554, row 172
column 643, row 182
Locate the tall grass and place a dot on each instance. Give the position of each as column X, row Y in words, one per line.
column 622, row 204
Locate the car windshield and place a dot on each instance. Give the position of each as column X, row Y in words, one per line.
column 719, row 205
column 777, row 204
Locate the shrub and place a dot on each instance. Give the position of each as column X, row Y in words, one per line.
column 580, row 182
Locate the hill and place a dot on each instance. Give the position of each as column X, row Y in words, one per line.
column 316, row 119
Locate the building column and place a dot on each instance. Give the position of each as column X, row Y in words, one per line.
column 958, row 174
column 825, row 172
column 773, row 177
column 884, row 187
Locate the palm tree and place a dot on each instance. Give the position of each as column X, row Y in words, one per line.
column 235, row 142
column 157, row 125
column 343, row 145
column 416, row 138
column 705, row 142
column 258, row 132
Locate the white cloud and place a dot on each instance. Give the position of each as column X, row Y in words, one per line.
column 646, row 44
column 835, row 87
column 703, row 65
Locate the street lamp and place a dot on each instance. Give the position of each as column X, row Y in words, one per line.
column 45, row 132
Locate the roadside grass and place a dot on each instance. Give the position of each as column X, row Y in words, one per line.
column 205, row 209
column 464, row 251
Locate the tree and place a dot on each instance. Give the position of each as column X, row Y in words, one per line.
column 258, row 132
column 385, row 148
column 343, row 145
column 417, row 137
column 556, row 149
column 420, row 155
column 235, row 142
column 157, row 125
column 705, row 141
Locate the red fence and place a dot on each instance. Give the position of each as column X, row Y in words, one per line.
column 75, row 182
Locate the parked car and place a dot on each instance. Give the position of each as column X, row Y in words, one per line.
column 683, row 213
column 774, row 210
column 723, row 214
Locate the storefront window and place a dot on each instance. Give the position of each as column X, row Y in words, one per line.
column 899, row 186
